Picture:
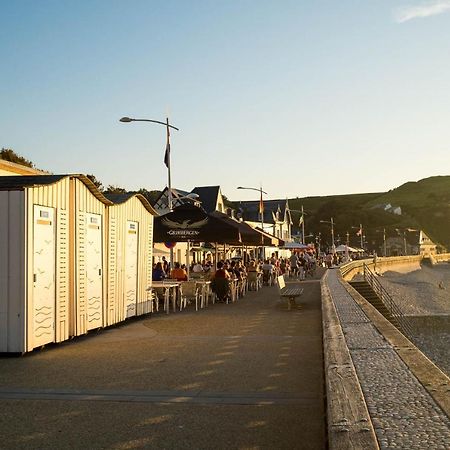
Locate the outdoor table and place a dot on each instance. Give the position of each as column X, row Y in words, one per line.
column 171, row 289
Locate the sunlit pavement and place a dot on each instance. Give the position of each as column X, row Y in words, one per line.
column 247, row 375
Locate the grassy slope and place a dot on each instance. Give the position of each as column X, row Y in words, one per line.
column 425, row 204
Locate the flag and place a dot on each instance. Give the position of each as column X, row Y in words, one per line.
column 301, row 220
column 167, row 154
column 261, row 205
column 359, row 232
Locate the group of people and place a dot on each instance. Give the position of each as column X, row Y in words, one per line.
column 300, row 264
column 162, row 270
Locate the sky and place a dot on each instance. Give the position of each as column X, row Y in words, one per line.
column 298, row 97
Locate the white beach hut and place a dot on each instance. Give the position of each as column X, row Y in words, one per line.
column 130, row 240
column 41, row 281
column 89, row 245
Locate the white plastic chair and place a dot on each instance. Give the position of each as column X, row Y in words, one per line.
column 188, row 292
column 253, row 281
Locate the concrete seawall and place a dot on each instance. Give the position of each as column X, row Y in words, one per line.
column 401, row 264
column 356, row 332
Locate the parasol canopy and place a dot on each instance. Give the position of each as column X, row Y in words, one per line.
column 188, row 222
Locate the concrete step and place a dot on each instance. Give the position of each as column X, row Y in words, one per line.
column 364, row 288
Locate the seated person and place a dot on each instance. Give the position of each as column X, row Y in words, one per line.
column 234, row 270
column 178, row 273
column 198, row 268
column 158, row 273
column 220, row 284
column 268, row 271
column 221, row 271
column 253, row 267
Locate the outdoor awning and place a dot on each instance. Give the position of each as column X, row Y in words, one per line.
column 191, row 223
column 249, row 236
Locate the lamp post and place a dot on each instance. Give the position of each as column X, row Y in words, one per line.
column 166, row 159
column 261, row 211
column 331, row 222
column 384, row 240
column 167, row 155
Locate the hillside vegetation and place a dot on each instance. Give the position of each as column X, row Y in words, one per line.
column 425, row 205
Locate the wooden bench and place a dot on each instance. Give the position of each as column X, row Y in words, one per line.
column 291, row 293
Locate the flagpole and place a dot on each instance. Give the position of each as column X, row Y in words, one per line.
column 362, row 238
column 167, row 162
column 303, row 228
column 261, row 210
column 169, row 182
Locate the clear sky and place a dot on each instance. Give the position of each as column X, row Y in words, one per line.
column 302, row 97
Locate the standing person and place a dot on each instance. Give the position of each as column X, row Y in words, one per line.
column 301, row 266
column 329, row 260
column 165, row 265
column 294, row 263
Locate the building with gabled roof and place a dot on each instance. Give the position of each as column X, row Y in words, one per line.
column 210, row 198
column 8, row 168
column 277, row 219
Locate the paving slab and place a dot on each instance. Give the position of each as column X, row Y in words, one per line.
column 247, row 375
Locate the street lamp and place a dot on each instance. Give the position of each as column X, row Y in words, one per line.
column 261, row 211
column 167, row 155
column 333, row 247
column 384, row 240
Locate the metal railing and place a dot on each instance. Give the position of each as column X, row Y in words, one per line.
column 388, row 302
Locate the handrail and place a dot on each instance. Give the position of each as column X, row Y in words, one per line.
column 388, row 301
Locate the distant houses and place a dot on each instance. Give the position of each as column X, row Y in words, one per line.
column 409, row 243
column 387, row 207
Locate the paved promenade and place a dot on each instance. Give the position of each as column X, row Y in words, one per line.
column 403, row 413
column 247, row 375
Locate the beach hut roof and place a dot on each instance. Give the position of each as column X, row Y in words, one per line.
column 20, row 182
column 123, row 197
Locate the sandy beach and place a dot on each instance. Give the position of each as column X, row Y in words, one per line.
column 418, row 293
column 428, row 306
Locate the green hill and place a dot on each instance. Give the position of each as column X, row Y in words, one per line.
column 425, row 205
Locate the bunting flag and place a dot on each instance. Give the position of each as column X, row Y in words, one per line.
column 167, row 154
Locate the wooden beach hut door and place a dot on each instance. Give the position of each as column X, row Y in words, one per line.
column 131, row 262
column 94, row 275
column 44, row 268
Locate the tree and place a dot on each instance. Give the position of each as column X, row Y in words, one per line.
column 10, row 155
column 151, row 196
column 113, row 189
column 97, row 183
